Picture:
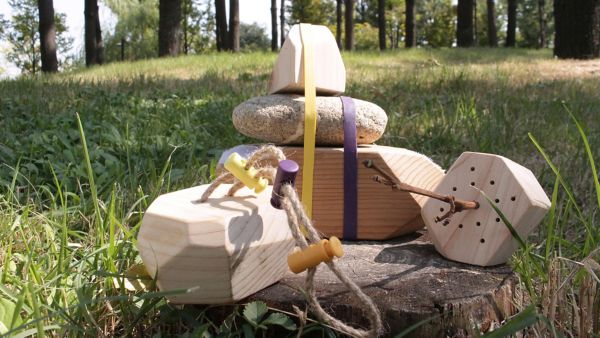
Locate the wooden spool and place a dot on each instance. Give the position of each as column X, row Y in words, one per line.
column 288, row 72
column 479, row 236
column 382, row 212
column 220, row 251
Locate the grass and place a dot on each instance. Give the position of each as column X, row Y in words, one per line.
column 73, row 187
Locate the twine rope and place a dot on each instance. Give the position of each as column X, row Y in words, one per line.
column 263, row 154
column 297, row 215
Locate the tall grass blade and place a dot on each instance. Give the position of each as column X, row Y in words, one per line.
column 521, row 321
column 590, row 242
column 588, row 151
column 90, row 172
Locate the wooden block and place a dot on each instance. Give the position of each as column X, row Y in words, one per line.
column 478, row 236
column 382, row 212
column 288, row 72
column 221, row 251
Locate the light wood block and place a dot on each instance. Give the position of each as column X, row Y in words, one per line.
column 221, row 251
column 288, row 72
column 478, row 236
column 382, row 212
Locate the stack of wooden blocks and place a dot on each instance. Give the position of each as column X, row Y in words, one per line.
column 227, row 248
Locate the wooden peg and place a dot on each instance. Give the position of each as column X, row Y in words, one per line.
column 236, row 165
column 315, row 254
column 286, row 174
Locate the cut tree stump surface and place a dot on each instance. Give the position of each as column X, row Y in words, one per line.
column 410, row 282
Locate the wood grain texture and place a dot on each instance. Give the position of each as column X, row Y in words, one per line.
column 382, row 212
column 220, row 251
column 329, row 72
column 478, row 236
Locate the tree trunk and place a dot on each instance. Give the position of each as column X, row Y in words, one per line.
column 169, row 27
column 577, row 29
column 464, row 23
column 475, row 36
column 410, row 39
column 381, row 23
column 282, row 21
column 511, row 27
column 411, row 284
column 491, row 24
column 349, row 29
column 234, row 25
column 185, row 23
column 47, row 30
column 93, row 34
column 274, row 28
column 221, row 25
column 542, row 22
column 338, row 23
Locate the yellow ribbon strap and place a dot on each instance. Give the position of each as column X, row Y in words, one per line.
column 310, row 117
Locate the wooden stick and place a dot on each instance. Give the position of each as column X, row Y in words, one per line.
column 456, row 205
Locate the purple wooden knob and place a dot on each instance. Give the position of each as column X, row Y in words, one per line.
column 286, row 174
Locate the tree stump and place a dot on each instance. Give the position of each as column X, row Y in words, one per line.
column 410, row 283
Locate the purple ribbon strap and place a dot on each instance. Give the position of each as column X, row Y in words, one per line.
column 350, row 170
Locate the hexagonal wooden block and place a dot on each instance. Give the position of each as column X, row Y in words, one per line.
column 478, row 236
column 329, row 72
column 383, row 213
column 221, row 251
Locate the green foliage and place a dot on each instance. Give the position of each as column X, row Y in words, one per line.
column 137, row 23
column 528, row 23
column 365, row 36
column 253, row 37
column 23, row 37
column 436, row 23
column 198, row 25
column 9, row 316
column 434, row 19
column 255, row 312
column 317, row 12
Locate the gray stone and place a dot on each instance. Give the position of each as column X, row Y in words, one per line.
column 279, row 119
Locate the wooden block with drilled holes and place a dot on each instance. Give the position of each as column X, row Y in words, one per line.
column 221, row 251
column 382, row 212
column 479, row 236
column 288, row 72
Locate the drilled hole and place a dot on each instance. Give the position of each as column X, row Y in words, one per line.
column 473, row 183
column 497, row 219
column 497, row 200
column 441, row 209
column 492, row 182
column 482, row 240
column 453, row 188
column 478, row 223
column 460, row 226
column 472, row 168
column 513, row 198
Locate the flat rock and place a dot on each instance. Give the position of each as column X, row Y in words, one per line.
column 279, row 119
column 410, row 283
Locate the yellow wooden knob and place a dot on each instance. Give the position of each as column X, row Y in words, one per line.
column 236, row 165
column 312, row 256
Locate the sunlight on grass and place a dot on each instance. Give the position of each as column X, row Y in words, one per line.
column 83, row 154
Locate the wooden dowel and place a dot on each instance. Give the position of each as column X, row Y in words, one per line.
column 456, row 205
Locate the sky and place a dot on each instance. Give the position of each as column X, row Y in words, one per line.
column 250, row 11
